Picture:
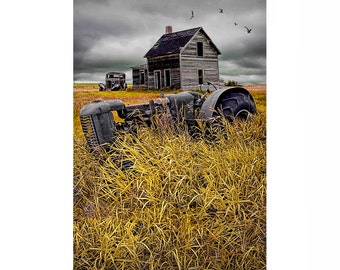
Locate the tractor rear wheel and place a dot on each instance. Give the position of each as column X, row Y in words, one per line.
column 235, row 105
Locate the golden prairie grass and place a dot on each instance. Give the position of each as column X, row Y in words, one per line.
column 186, row 203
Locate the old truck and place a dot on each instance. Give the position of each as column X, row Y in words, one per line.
column 189, row 107
column 113, row 81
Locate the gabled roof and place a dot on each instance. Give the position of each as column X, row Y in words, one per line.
column 144, row 66
column 174, row 42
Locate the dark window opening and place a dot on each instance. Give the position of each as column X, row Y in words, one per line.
column 111, row 76
column 167, row 77
column 199, row 48
column 157, row 79
column 142, row 77
column 200, row 76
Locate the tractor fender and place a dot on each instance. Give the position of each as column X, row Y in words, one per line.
column 208, row 109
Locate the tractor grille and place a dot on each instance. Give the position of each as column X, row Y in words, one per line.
column 89, row 131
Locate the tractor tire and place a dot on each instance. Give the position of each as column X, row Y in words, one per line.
column 236, row 105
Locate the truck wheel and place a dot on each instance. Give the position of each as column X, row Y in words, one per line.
column 235, row 105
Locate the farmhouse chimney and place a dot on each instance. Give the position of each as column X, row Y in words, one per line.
column 168, row 29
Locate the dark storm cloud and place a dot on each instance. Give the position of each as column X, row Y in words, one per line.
column 115, row 34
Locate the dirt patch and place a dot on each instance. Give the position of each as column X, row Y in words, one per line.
column 260, row 87
column 89, row 87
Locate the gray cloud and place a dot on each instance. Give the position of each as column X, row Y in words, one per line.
column 113, row 35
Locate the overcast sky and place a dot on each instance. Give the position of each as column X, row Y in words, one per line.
column 114, row 35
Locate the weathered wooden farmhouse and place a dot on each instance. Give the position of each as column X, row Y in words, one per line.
column 179, row 60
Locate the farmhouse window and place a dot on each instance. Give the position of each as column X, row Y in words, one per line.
column 199, row 48
column 167, row 77
column 200, row 76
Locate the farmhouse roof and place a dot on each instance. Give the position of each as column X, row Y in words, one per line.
column 144, row 66
column 174, row 42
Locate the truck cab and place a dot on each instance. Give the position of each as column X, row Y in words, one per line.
column 113, row 81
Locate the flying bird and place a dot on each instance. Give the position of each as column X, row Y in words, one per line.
column 248, row 30
column 235, row 23
column 192, row 15
column 221, row 10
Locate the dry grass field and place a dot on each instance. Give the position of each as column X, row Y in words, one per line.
column 186, row 203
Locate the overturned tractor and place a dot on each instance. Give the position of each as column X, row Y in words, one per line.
column 100, row 128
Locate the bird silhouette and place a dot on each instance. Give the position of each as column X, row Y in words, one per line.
column 235, row 23
column 192, row 15
column 248, row 29
column 221, row 10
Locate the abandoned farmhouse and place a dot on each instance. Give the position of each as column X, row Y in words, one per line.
column 179, row 60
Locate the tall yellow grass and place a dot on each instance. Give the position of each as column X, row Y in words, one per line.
column 186, row 203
